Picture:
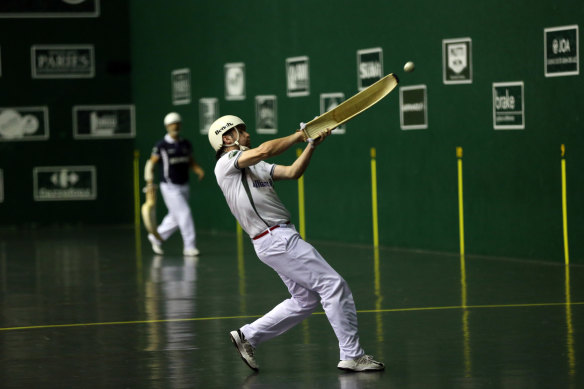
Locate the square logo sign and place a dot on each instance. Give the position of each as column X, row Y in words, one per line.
column 508, row 106
column 208, row 113
column 413, row 104
column 562, row 57
column 24, row 123
column 297, row 76
column 329, row 101
column 369, row 67
column 62, row 61
column 181, row 86
column 457, row 61
column 103, row 121
column 235, row 81
column 266, row 114
column 64, row 183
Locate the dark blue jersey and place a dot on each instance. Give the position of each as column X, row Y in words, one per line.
column 175, row 157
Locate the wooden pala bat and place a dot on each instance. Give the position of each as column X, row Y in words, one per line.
column 351, row 107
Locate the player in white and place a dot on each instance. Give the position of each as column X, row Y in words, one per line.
column 175, row 153
column 247, row 183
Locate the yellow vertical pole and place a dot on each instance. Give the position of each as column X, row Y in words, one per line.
column 137, row 192
column 302, row 227
column 374, row 198
column 465, row 312
column 460, row 201
column 376, row 271
column 137, row 231
column 565, row 207
column 301, row 219
column 240, row 268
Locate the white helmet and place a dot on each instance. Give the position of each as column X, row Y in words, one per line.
column 172, row 117
column 220, row 127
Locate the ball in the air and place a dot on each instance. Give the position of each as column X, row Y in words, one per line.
column 409, row 66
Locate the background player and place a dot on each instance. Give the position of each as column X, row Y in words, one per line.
column 247, row 183
column 176, row 156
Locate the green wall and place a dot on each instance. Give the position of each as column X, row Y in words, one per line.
column 512, row 181
column 112, row 158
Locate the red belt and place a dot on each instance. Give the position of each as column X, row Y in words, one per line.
column 267, row 231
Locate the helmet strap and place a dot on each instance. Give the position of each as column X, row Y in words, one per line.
column 236, row 142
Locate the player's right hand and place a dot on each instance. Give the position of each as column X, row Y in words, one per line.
column 321, row 136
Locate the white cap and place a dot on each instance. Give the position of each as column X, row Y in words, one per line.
column 220, row 127
column 172, row 117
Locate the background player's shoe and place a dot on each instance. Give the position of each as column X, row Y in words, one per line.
column 246, row 350
column 155, row 244
column 363, row 363
column 192, row 252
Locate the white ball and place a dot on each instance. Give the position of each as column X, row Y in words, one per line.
column 409, row 66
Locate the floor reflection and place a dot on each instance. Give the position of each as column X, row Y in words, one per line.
column 465, row 319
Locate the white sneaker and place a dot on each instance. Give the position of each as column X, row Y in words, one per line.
column 193, row 252
column 155, row 244
column 363, row 363
column 246, row 350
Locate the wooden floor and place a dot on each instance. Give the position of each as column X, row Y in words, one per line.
column 88, row 308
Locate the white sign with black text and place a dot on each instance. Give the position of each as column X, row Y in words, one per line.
column 208, row 113
column 24, row 123
column 235, row 81
column 329, row 101
column 508, row 106
column 266, row 114
column 103, row 121
column 64, row 183
column 181, row 86
column 413, row 106
column 369, row 67
column 561, row 51
column 62, row 61
column 457, row 61
column 297, row 76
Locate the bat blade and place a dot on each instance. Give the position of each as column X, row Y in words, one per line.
column 148, row 212
column 351, row 107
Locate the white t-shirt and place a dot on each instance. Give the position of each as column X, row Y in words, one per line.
column 264, row 209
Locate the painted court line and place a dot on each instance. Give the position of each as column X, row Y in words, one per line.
column 415, row 309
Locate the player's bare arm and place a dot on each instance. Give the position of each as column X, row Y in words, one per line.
column 197, row 169
column 268, row 149
column 296, row 170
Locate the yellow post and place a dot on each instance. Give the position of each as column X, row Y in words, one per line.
column 301, row 219
column 460, row 201
column 240, row 268
column 565, row 207
column 137, row 232
column 465, row 312
column 374, row 198
column 137, row 191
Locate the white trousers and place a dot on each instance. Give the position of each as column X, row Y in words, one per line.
column 176, row 198
column 310, row 280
